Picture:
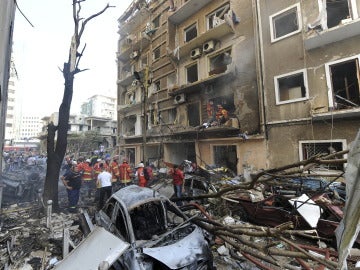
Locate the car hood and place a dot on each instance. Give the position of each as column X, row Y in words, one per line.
column 186, row 251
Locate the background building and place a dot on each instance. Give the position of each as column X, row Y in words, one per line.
column 100, row 106
column 12, row 114
column 30, row 127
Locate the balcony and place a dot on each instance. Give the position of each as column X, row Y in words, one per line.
column 126, row 78
column 127, row 46
column 201, row 84
column 187, row 10
column 335, row 34
column 215, row 33
column 343, row 114
column 137, row 18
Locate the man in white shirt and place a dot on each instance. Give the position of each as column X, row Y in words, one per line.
column 104, row 182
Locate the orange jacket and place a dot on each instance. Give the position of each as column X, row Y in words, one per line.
column 114, row 168
column 87, row 172
column 125, row 173
column 141, row 177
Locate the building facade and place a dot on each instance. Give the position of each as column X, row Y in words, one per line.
column 7, row 17
column 12, row 114
column 100, row 106
column 188, row 83
column 310, row 66
column 30, row 127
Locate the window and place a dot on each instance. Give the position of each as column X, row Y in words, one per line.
column 217, row 17
column 343, row 84
column 291, row 87
column 156, row 53
column 285, row 23
column 167, row 116
column 190, row 32
column 309, row 149
column 336, row 12
column 193, row 113
column 225, row 156
column 192, row 73
column 156, row 22
column 219, row 62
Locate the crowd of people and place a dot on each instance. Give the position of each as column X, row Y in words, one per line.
column 17, row 160
column 98, row 178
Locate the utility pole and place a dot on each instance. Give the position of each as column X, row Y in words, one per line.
column 144, row 124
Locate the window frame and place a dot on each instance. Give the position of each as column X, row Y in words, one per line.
column 211, row 14
column 329, row 80
column 342, row 141
column 186, row 29
column 277, row 90
column 154, row 53
column 216, row 54
column 272, row 26
column 186, row 71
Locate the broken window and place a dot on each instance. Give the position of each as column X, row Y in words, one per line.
column 217, row 17
column 285, row 23
column 291, row 87
column 193, row 113
column 219, row 62
column 148, row 220
column 337, row 10
column 220, row 109
column 129, row 125
column 156, row 22
column 130, row 155
column 309, row 149
column 121, row 226
column 156, row 53
column 226, row 156
column 192, row 73
column 190, row 32
column 345, row 81
column 167, row 116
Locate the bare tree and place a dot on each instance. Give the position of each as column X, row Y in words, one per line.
column 56, row 150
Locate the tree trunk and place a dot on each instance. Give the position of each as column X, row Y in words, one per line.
column 56, row 151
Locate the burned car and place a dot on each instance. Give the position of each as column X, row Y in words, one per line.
column 305, row 213
column 159, row 234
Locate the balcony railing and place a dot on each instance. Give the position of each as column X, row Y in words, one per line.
column 347, row 30
column 187, row 10
column 215, row 33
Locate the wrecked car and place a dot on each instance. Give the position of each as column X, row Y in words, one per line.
column 305, row 213
column 159, row 234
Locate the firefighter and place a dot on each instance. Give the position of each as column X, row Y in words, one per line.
column 87, row 178
column 125, row 173
column 140, row 174
column 114, row 170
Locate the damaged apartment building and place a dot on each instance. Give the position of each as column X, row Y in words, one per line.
column 190, row 70
column 310, row 70
column 242, row 84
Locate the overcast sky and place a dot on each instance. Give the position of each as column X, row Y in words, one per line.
column 41, row 50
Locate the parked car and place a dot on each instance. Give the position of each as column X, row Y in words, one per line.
column 159, row 233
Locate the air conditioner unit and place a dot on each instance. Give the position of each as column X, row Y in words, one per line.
column 209, row 46
column 134, row 54
column 178, row 99
column 195, row 53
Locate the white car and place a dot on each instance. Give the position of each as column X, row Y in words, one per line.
column 159, row 234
